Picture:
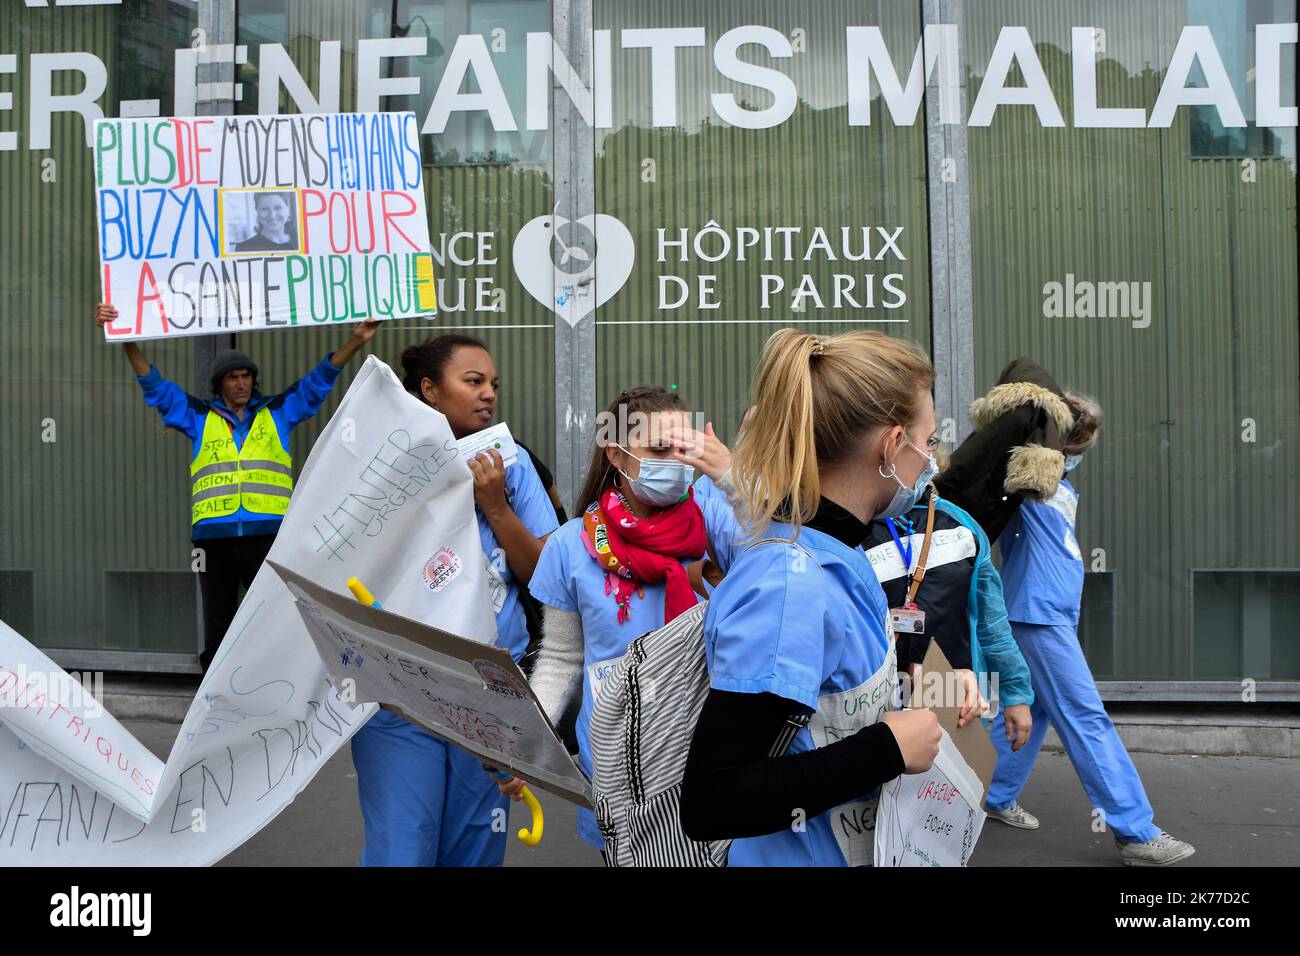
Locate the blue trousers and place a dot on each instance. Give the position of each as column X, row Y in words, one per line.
column 423, row 801
column 1065, row 694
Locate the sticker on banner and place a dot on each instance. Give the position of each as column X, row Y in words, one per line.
column 441, row 569
column 499, row 681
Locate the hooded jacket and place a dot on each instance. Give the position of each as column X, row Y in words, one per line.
column 1015, row 451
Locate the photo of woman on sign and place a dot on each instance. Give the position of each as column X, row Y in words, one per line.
column 268, row 220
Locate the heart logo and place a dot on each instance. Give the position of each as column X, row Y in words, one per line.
column 572, row 266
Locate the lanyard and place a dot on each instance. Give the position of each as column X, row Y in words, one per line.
column 904, row 553
column 918, row 573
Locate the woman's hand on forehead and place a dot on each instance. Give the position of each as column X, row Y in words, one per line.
column 702, row 450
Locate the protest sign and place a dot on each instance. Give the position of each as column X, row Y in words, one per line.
column 240, row 223
column 39, row 701
column 934, row 818
column 264, row 721
column 384, row 487
column 931, row 818
column 471, row 695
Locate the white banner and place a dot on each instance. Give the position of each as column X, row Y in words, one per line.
column 383, row 491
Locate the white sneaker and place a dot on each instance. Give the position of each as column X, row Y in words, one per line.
column 1160, row 850
column 1016, row 816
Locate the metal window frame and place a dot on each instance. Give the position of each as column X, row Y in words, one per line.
column 952, row 332
column 1256, row 646
column 573, row 145
column 573, row 158
column 218, row 21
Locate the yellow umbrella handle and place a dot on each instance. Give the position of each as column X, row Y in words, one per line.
column 534, row 836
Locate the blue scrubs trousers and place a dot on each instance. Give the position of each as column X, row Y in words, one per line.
column 1065, row 694
column 425, row 802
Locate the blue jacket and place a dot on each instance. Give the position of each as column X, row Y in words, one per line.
column 961, row 595
column 187, row 414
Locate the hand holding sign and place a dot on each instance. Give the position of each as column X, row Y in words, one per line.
column 365, row 330
column 489, row 471
column 363, row 333
column 917, row 734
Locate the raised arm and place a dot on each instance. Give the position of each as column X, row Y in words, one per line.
column 363, row 333
column 106, row 314
column 179, row 410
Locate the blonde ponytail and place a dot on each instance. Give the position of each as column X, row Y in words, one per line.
column 815, row 401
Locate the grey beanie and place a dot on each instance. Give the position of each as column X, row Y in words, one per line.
column 227, row 362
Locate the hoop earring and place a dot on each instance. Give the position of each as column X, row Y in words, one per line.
column 892, row 473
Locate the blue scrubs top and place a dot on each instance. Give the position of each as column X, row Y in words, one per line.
column 1042, row 566
column 812, row 628
column 532, row 504
column 568, row 578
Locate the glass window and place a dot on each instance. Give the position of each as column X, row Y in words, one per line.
column 804, row 220
column 481, row 186
column 1164, row 284
column 95, row 549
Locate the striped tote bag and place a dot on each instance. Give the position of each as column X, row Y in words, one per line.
column 641, row 728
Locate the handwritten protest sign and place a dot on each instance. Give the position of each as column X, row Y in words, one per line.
column 470, row 695
column 935, row 818
column 39, row 700
column 383, row 489
column 240, row 223
column 931, row 818
column 264, row 721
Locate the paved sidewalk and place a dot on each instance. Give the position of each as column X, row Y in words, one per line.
column 1238, row 811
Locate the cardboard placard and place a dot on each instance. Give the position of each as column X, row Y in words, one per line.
column 470, row 694
column 971, row 741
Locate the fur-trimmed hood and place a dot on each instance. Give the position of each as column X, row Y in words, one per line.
column 1015, row 451
column 1023, row 383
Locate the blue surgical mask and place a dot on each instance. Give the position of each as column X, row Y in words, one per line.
column 660, row 483
column 905, row 498
column 1072, row 462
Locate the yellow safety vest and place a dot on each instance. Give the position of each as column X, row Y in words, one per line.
column 258, row 476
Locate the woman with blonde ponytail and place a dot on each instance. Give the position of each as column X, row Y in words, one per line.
column 797, row 636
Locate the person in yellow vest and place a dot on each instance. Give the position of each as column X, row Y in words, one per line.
column 241, row 473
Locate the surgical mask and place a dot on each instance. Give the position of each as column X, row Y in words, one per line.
column 1072, row 462
column 905, row 498
column 659, row 483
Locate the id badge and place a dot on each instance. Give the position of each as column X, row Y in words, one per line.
column 907, row 620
